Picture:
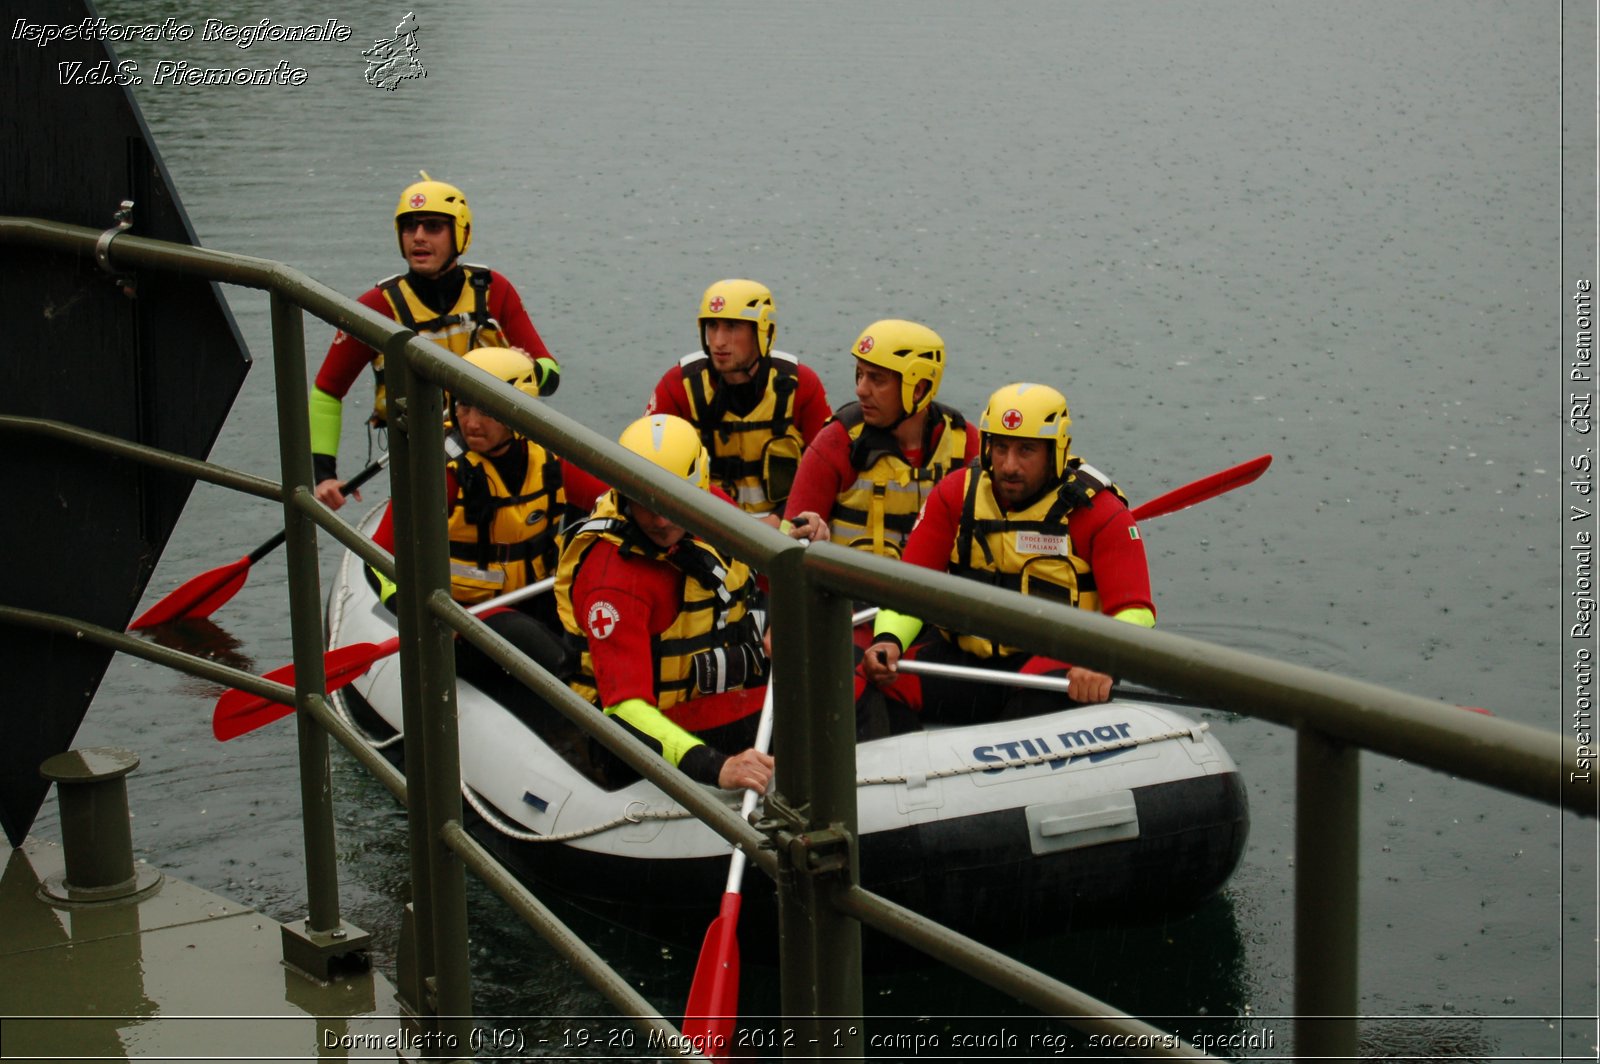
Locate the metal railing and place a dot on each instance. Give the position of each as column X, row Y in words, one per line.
column 820, row 904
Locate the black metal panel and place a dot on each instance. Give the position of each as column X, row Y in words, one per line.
column 83, row 531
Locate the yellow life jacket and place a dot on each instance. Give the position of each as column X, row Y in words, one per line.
column 754, row 456
column 714, row 613
column 462, row 328
column 502, row 539
column 1026, row 550
column 877, row 511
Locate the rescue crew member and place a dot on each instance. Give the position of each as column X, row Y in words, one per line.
column 507, row 498
column 1032, row 517
column 864, row 479
column 457, row 305
column 670, row 629
column 755, row 408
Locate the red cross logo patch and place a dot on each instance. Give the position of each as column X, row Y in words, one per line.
column 717, row 303
column 864, row 346
column 603, row 617
column 418, row 199
column 1012, row 418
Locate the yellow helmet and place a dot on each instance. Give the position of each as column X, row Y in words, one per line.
column 510, row 364
column 914, row 351
column 740, row 300
column 1030, row 411
column 671, row 443
column 436, row 197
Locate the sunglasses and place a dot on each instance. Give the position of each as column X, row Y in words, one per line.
column 431, row 226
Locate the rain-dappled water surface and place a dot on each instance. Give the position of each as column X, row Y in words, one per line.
column 1327, row 232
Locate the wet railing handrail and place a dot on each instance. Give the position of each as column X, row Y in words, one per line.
column 1335, row 716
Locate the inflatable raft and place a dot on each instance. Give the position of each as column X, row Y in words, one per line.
column 1121, row 812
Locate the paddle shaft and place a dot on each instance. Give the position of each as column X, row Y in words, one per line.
column 1032, row 680
column 202, row 595
column 239, row 712
column 972, row 672
column 763, row 740
column 538, row 587
column 392, row 644
column 714, row 993
column 347, row 488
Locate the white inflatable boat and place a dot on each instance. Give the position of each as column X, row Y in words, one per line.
column 1121, row 812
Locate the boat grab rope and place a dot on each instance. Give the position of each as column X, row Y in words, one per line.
column 484, row 808
column 336, row 608
column 638, row 812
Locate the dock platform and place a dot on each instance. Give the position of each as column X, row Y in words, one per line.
column 173, row 972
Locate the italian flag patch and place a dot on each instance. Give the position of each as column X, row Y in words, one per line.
column 1133, row 531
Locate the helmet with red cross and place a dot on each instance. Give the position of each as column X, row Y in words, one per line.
column 436, row 197
column 1029, row 411
column 914, row 351
column 737, row 299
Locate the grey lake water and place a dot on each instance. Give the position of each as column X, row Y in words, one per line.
column 1329, row 232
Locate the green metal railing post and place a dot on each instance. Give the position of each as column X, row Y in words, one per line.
column 814, row 737
column 305, row 613
column 428, row 677
column 416, row 960
column 1327, row 866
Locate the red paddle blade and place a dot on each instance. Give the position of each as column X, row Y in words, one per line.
column 239, row 711
column 713, row 1007
column 1204, row 488
column 199, row 597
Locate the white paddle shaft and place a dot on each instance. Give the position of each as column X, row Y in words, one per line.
column 969, row 672
column 538, row 587
column 763, row 740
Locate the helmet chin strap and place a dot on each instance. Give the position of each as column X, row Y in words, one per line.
column 904, row 413
column 751, row 369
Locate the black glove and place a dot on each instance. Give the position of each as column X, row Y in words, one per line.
column 729, row 668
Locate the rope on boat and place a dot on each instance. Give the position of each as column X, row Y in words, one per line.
column 637, row 812
column 336, row 607
column 484, row 808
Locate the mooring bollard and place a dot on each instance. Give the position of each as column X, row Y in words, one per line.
column 96, row 835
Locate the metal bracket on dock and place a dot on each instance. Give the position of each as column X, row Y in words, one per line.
column 779, row 817
column 814, row 851
column 326, row 955
column 821, row 852
column 102, row 247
